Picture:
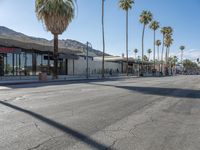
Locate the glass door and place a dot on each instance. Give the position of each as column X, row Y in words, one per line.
column 1, row 65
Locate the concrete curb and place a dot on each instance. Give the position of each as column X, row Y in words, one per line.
column 64, row 80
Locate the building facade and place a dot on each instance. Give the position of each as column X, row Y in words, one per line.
column 24, row 62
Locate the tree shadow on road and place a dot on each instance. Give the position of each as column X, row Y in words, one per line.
column 168, row 92
column 75, row 134
column 54, row 83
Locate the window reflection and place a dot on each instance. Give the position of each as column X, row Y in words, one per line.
column 28, row 63
column 9, row 65
column 29, row 67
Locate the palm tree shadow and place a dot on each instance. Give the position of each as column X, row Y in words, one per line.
column 168, row 92
column 76, row 134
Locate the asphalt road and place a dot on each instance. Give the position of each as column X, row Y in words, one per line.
column 130, row 114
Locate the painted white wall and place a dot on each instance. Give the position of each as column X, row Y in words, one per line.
column 94, row 66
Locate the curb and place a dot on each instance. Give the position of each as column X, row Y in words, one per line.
column 65, row 80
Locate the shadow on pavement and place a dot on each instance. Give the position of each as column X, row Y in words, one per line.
column 54, row 83
column 168, row 92
column 76, row 134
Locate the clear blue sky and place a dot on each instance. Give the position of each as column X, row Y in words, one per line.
column 181, row 15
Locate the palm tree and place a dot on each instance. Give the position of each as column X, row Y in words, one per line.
column 168, row 40
column 154, row 26
column 182, row 49
column 135, row 51
column 103, row 38
column 126, row 5
column 163, row 31
column 158, row 43
column 149, row 51
column 56, row 15
column 145, row 19
column 167, row 33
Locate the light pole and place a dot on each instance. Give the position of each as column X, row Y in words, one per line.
column 87, row 68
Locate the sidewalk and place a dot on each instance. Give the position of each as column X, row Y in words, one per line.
column 4, row 82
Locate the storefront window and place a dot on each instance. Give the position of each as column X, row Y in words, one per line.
column 1, row 65
column 29, row 66
column 22, row 63
column 16, row 64
column 9, row 65
column 45, row 63
column 5, row 62
column 38, row 63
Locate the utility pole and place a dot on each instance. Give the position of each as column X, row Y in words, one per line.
column 87, row 68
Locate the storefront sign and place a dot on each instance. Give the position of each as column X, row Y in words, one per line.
column 9, row 50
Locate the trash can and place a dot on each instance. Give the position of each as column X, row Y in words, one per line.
column 42, row 77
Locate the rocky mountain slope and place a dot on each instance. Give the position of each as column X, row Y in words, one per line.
column 68, row 43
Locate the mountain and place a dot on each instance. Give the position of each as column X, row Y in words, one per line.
column 6, row 33
column 80, row 46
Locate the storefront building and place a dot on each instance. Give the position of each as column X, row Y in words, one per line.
column 24, row 62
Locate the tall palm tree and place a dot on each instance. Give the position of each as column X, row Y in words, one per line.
column 135, row 51
column 163, row 31
column 158, row 43
column 126, row 5
column 154, row 26
column 145, row 19
column 182, row 49
column 168, row 40
column 167, row 33
column 56, row 15
column 103, row 36
column 149, row 51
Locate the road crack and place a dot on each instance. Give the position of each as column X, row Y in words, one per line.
column 41, row 131
column 37, row 146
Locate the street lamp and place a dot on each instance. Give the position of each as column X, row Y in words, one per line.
column 88, row 45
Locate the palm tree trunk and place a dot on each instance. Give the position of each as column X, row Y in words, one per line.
column 127, row 42
column 166, row 57
column 103, row 39
column 168, row 52
column 181, row 57
column 55, row 73
column 158, row 57
column 143, row 48
column 154, row 51
column 163, row 46
column 158, row 51
column 166, row 61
